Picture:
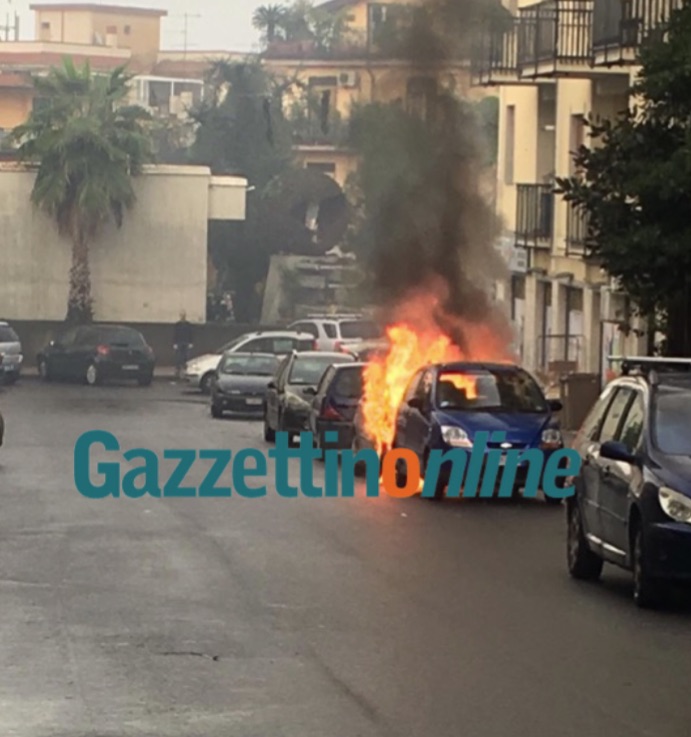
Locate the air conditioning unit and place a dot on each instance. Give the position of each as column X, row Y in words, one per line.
column 349, row 79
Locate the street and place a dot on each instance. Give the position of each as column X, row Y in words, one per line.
column 300, row 617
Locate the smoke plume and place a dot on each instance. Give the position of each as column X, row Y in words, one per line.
column 431, row 227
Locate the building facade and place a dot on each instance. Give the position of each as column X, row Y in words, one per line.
column 560, row 63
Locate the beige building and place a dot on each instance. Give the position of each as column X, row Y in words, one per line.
column 562, row 61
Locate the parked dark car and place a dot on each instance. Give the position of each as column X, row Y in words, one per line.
column 96, row 353
column 290, row 393
column 10, row 353
column 333, row 408
column 446, row 405
column 632, row 505
column 240, row 381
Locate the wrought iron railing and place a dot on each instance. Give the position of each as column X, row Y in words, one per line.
column 626, row 24
column 555, row 32
column 576, row 231
column 534, row 215
column 495, row 55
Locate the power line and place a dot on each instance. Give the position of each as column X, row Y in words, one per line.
column 185, row 31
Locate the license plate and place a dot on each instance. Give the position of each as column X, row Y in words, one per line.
column 130, row 367
column 253, row 402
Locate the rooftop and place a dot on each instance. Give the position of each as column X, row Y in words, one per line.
column 97, row 8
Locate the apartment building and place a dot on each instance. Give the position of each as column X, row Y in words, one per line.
column 105, row 36
column 355, row 70
column 560, row 62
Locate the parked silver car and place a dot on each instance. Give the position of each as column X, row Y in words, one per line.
column 11, row 356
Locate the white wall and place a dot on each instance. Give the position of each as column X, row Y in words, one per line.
column 147, row 271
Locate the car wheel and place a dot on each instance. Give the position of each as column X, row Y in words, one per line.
column 205, row 382
column 145, row 380
column 269, row 433
column 583, row 563
column 440, row 487
column 647, row 590
column 92, row 377
column 551, row 500
column 216, row 411
column 44, row 370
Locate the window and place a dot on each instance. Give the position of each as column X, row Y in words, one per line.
column 323, row 167
column 615, row 414
column 323, row 82
column 127, row 30
column 281, row 345
column 424, row 388
column 326, row 379
column 591, row 425
column 262, row 345
column 671, row 421
column 7, row 335
column 238, row 364
column 509, row 144
column 68, row 338
column 348, row 383
column 577, row 138
column 330, row 330
column 362, row 329
column 632, row 430
column 412, row 386
column 45, row 26
column 308, row 370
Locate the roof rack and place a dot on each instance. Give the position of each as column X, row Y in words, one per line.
column 651, row 366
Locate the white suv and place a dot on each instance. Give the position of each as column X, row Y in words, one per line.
column 10, row 353
column 338, row 332
column 199, row 370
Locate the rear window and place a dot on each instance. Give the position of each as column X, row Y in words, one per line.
column 114, row 336
column 304, row 345
column 7, row 335
column 330, row 330
column 308, row 370
column 348, row 383
column 364, row 329
column 244, row 365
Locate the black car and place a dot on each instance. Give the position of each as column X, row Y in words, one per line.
column 239, row 383
column 334, row 404
column 632, row 505
column 95, row 353
column 290, row 393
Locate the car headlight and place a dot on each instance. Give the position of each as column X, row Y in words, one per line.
column 674, row 504
column 455, row 436
column 551, row 438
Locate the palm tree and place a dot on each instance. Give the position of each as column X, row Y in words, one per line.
column 87, row 144
column 268, row 19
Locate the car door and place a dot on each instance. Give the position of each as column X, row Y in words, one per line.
column 619, row 477
column 257, row 345
column 588, row 480
column 404, row 411
column 418, row 425
column 272, row 394
column 58, row 356
column 609, row 430
column 81, row 353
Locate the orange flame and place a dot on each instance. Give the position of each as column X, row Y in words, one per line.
column 415, row 341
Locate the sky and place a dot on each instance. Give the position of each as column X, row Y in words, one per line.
column 218, row 25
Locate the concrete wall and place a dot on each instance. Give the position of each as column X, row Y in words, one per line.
column 147, row 271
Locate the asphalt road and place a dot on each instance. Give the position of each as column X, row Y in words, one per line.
column 300, row 618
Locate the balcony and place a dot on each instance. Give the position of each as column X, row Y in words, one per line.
column 555, row 38
column 534, row 215
column 495, row 57
column 621, row 26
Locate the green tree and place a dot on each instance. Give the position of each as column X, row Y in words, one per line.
column 269, row 19
column 634, row 187
column 88, row 145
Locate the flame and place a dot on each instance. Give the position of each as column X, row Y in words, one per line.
column 416, row 340
column 464, row 382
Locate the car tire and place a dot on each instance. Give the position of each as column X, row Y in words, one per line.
column 44, row 370
column 440, row 487
column 584, row 565
column 269, row 433
column 91, row 376
column 216, row 411
column 648, row 591
column 145, row 380
column 205, row 383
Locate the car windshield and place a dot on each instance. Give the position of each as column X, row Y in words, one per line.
column 363, row 329
column 671, row 421
column 7, row 335
column 309, row 369
column 240, row 365
column 348, row 383
column 490, row 391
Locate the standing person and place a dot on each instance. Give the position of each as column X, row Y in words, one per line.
column 182, row 344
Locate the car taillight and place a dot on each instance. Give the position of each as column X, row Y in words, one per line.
column 102, row 350
column 330, row 413
column 315, row 344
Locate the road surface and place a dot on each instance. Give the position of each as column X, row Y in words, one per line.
column 300, row 618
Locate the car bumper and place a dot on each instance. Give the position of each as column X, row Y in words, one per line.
column 242, row 404
column 118, row 370
column 344, row 435
column 11, row 365
column 669, row 550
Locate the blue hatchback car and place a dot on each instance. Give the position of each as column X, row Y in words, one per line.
column 446, row 405
column 632, row 505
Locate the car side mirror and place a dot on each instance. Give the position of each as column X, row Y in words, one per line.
column 415, row 403
column 613, row 450
column 311, row 391
column 555, row 405
column 271, row 385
